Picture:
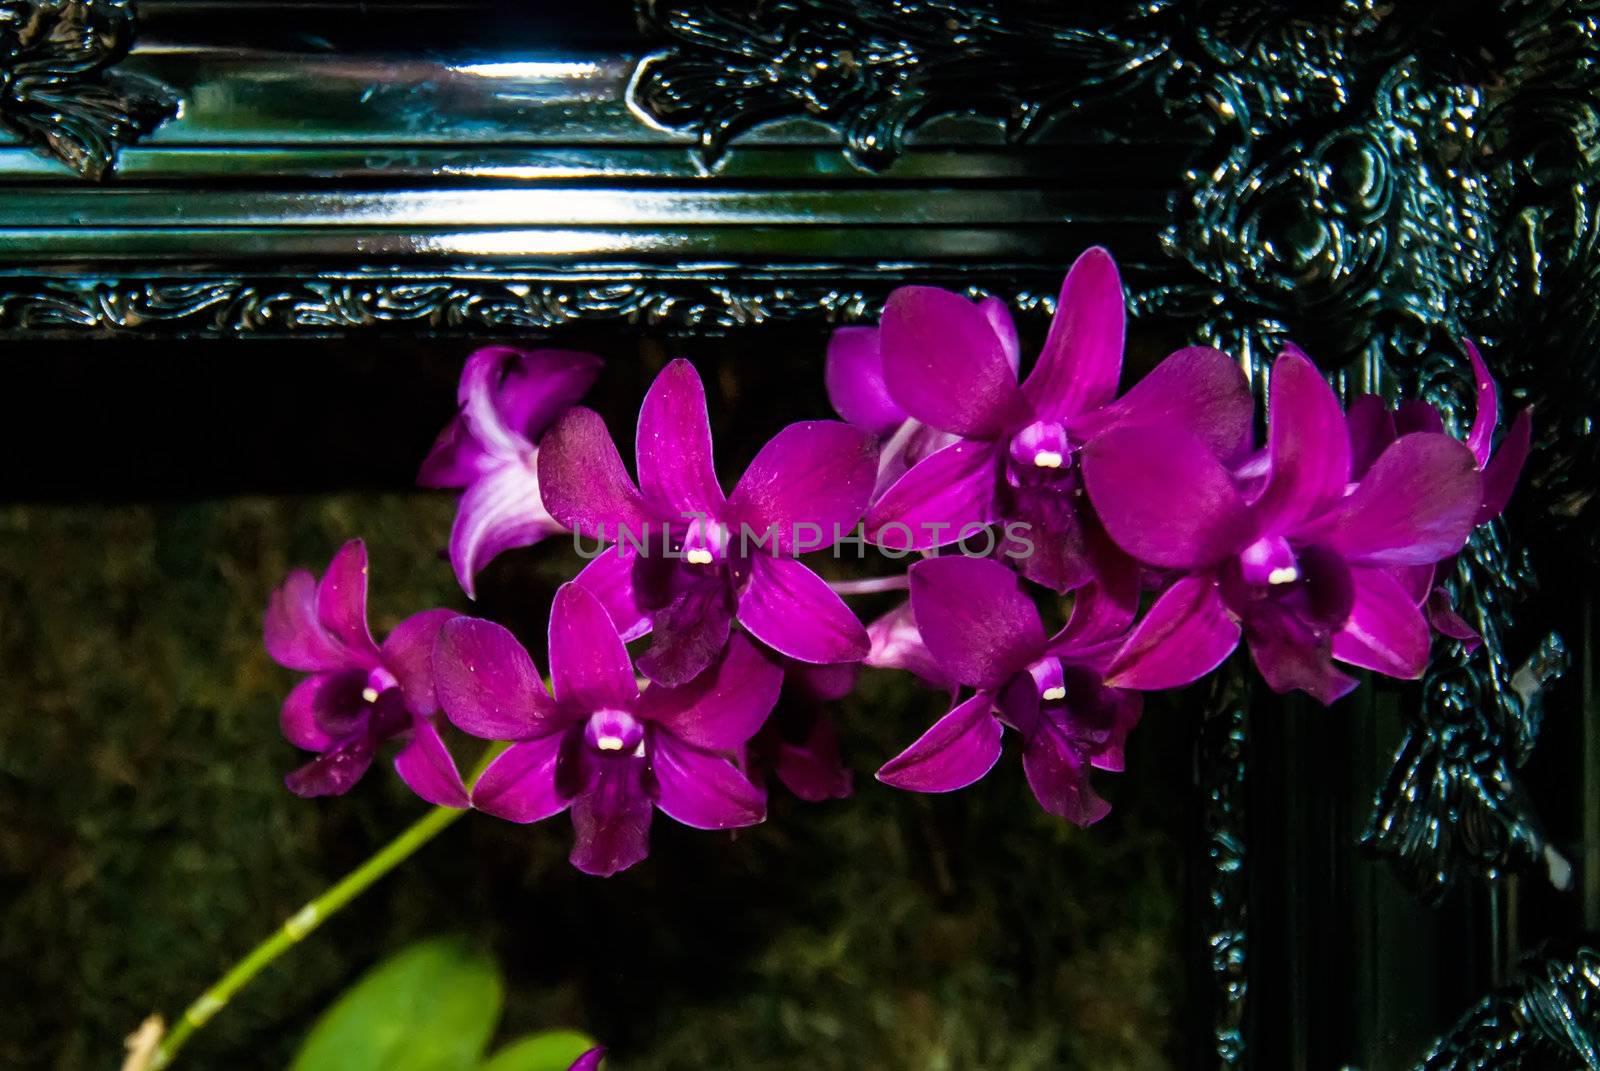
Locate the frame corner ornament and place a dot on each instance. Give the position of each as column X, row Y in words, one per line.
column 58, row 92
column 1551, row 1009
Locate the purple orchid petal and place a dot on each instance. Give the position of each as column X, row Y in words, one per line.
column 1441, row 610
column 998, row 313
column 1164, row 497
column 509, row 397
column 1059, row 777
column 975, row 618
column 1184, row 635
column 481, row 379
column 673, row 445
column 334, row 705
column 821, row 683
column 609, row 578
column 1327, row 590
column 702, row 789
column 938, row 498
column 1501, row 473
column 689, row 632
column 1197, row 390
column 294, row 637
column 945, row 365
column 589, row 667
column 854, row 377
column 1417, row 580
column 487, row 684
column 812, row 768
column 1371, row 429
column 1081, row 360
column 1105, row 608
column 1386, row 631
column 583, row 483
column 1061, row 559
column 898, row 644
column 1417, row 415
column 1290, row 656
column 794, row 611
column 501, row 511
column 427, row 767
column 1308, row 446
column 1486, row 414
column 611, row 818
column 1417, row 505
column 520, row 784
column 342, row 602
column 300, row 720
column 961, row 747
column 817, row 474
column 407, row 654
column 1099, row 719
column 334, row 772
column 589, row 1061
column 722, row 708
column 455, row 459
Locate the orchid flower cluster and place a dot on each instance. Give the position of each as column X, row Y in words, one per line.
column 692, row 659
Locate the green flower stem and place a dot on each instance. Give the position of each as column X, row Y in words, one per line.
column 303, row 922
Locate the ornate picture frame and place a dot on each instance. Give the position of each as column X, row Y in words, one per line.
column 1375, row 181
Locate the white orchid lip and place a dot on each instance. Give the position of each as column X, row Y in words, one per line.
column 1050, row 678
column 614, row 731
column 1270, row 560
column 379, row 681
column 706, row 541
column 1041, row 445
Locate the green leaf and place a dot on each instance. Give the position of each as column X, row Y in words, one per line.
column 430, row 1007
column 553, row 1050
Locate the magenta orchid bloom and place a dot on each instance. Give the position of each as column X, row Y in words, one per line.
column 985, row 633
column 1292, row 551
column 359, row 694
column 1373, row 427
column 507, row 398
column 950, row 364
column 689, row 561
column 595, row 743
column 798, row 745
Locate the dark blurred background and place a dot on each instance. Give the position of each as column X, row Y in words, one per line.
column 153, row 496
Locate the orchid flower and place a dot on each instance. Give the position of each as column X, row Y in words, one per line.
column 1373, row 427
column 589, row 1061
column 358, row 694
column 1291, row 552
column 507, row 398
column 950, row 364
column 689, row 560
column 985, row 633
column 594, row 742
column 798, row 744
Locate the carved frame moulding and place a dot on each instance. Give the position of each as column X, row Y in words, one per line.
column 1376, row 181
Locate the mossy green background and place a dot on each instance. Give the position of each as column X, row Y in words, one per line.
column 146, row 839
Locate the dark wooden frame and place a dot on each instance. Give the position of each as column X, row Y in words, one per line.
column 1375, row 181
